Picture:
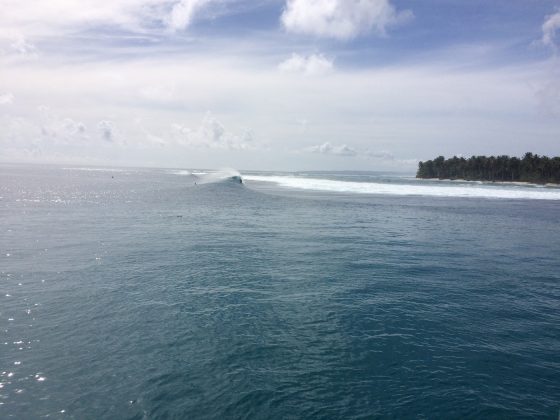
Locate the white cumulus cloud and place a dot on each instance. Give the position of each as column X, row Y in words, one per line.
column 212, row 134
column 56, row 129
column 341, row 19
column 314, row 64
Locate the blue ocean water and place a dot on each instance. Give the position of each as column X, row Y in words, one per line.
column 134, row 293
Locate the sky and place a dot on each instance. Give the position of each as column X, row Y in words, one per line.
column 277, row 84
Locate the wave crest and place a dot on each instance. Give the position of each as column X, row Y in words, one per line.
column 222, row 175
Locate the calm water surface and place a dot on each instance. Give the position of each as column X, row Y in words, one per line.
column 135, row 294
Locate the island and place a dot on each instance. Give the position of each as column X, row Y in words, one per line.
column 530, row 168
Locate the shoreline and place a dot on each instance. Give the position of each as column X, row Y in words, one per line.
column 520, row 183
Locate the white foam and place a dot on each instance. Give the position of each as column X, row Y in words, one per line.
column 433, row 189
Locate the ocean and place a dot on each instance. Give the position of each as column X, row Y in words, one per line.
column 168, row 294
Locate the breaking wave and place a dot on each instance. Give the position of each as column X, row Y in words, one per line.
column 409, row 189
column 211, row 177
column 222, row 175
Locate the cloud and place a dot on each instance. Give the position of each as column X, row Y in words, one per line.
column 341, row 19
column 314, row 64
column 550, row 28
column 6, row 98
column 548, row 92
column 106, row 130
column 381, row 156
column 410, row 109
column 344, row 150
column 59, row 17
column 212, row 134
column 21, row 46
column 182, row 13
column 328, row 149
column 59, row 130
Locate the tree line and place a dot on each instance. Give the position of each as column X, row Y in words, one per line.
column 530, row 168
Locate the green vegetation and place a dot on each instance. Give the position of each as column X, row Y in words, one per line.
column 531, row 168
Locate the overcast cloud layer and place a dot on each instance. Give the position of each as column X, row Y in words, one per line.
column 272, row 84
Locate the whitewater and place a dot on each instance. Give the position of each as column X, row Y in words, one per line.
column 403, row 187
